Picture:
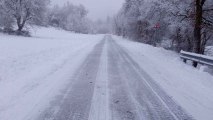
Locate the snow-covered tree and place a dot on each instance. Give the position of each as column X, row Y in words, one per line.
column 70, row 17
column 23, row 11
column 155, row 20
column 187, row 24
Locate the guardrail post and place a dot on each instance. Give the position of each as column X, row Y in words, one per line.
column 196, row 58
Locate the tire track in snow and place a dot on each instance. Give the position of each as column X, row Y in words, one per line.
column 75, row 101
column 100, row 104
column 110, row 85
column 122, row 106
column 157, row 104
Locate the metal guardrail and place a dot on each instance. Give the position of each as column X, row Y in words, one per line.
column 201, row 59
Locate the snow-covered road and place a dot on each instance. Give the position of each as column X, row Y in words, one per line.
column 58, row 75
column 110, row 85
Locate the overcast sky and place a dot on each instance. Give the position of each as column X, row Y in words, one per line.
column 98, row 9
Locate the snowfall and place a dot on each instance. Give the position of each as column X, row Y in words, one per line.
column 34, row 69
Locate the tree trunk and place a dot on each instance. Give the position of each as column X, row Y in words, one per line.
column 20, row 23
column 20, row 27
column 198, row 28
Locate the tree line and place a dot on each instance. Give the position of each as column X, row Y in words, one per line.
column 17, row 15
column 174, row 24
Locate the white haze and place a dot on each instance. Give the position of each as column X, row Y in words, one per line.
column 98, row 9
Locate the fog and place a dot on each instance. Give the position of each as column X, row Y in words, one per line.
column 98, row 9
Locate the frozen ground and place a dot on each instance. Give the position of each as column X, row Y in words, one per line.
column 189, row 87
column 32, row 70
column 109, row 85
column 57, row 75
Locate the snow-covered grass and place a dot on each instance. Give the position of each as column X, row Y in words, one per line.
column 188, row 86
column 31, row 68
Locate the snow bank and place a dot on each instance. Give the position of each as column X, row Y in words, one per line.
column 31, row 68
column 188, row 86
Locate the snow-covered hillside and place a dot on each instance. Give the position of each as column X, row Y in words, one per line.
column 27, row 62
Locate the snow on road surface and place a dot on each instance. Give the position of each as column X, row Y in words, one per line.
column 100, row 107
column 33, row 70
column 189, row 87
column 58, row 75
column 139, row 97
column 109, row 86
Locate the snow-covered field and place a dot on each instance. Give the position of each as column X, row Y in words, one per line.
column 191, row 88
column 34, row 70
column 26, row 65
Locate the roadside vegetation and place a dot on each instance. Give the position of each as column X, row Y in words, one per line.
column 172, row 24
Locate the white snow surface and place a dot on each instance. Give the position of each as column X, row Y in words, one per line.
column 188, row 86
column 209, row 51
column 100, row 103
column 34, row 69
